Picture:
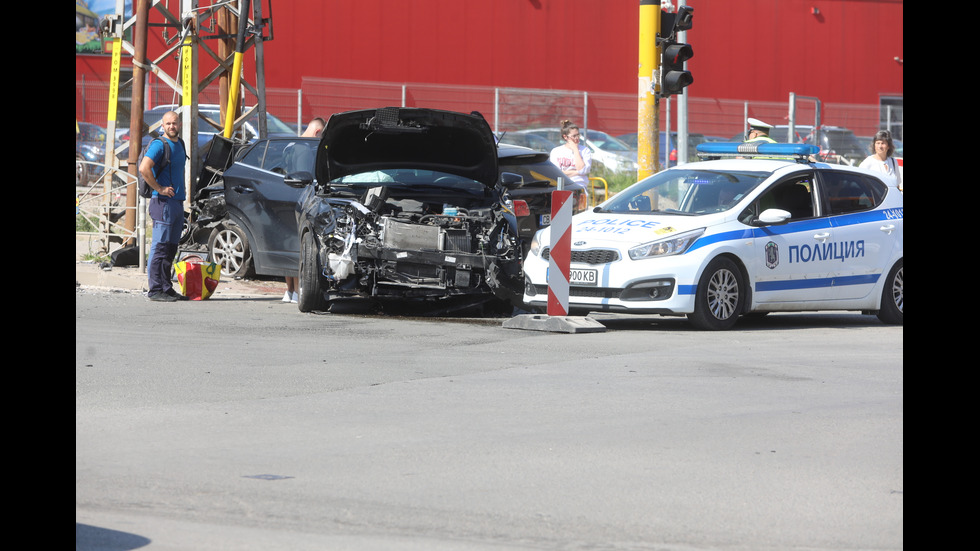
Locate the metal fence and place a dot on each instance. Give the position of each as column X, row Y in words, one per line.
column 506, row 109
column 509, row 109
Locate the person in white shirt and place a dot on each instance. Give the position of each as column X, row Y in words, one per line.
column 881, row 159
column 573, row 157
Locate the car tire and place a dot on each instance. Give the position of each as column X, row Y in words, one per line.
column 720, row 296
column 310, row 279
column 229, row 247
column 892, row 309
column 81, row 172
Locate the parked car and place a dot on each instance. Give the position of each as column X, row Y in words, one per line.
column 610, row 151
column 527, row 139
column 409, row 204
column 668, row 160
column 245, row 219
column 836, row 143
column 607, row 151
column 248, row 132
column 89, row 148
column 719, row 239
column 206, row 132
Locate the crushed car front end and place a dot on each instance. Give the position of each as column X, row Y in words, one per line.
column 419, row 214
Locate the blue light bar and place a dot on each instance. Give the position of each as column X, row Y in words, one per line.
column 755, row 149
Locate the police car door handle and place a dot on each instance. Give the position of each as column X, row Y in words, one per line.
column 243, row 189
column 822, row 236
column 888, row 228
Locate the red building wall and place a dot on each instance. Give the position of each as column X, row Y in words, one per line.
column 760, row 50
column 757, row 50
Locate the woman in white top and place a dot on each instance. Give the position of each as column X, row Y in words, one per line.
column 881, row 159
column 573, row 157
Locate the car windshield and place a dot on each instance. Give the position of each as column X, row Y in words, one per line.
column 90, row 133
column 606, row 142
column 685, row 191
column 418, row 180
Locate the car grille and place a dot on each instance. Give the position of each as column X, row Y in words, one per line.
column 587, row 292
column 592, row 256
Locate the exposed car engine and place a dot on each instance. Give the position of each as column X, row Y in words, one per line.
column 408, row 248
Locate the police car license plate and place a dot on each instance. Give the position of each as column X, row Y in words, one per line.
column 583, row 277
column 545, row 220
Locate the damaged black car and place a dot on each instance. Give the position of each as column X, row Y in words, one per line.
column 244, row 213
column 410, row 204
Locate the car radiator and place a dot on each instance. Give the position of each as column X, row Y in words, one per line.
column 398, row 235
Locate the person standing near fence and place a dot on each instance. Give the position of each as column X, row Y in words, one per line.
column 166, row 207
column 881, row 159
column 573, row 157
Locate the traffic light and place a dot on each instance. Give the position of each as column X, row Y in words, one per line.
column 673, row 54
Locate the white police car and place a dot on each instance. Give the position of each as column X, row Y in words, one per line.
column 717, row 239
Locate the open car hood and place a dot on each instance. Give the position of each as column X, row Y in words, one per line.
column 407, row 138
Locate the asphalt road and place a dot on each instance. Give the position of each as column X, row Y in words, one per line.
column 242, row 424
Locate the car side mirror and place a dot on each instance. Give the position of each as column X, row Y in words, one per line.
column 641, row 203
column 772, row 216
column 298, row 179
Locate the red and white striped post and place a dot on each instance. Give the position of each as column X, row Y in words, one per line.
column 561, row 252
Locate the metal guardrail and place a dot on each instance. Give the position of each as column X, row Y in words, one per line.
column 102, row 201
column 592, row 194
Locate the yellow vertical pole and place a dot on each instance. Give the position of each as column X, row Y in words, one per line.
column 110, row 146
column 236, row 69
column 648, row 117
column 236, row 78
column 188, row 86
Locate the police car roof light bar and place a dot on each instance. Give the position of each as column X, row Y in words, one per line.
column 798, row 151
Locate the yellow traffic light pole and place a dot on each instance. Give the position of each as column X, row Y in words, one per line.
column 648, row 115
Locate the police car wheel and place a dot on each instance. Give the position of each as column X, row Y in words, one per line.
column 720, row 296
column 229, row 247
column 310, row 281
column 893, row 296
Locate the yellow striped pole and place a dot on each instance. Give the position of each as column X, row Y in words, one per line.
column 648, row 117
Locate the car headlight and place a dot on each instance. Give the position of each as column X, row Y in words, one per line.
column 677, row 244
column 91, row 152
column 536, row 243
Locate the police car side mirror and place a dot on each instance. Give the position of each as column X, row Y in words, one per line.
column 773, row 216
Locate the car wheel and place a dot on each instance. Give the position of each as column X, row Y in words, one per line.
column 720, row 296
column 893, row 296
column 81, row 172
column 310, row 279
column 187, row 230
column 229, row 247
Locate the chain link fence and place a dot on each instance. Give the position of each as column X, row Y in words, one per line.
column 506, row 109
column 509, row 109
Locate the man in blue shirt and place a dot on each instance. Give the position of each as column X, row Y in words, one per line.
column 166, row 208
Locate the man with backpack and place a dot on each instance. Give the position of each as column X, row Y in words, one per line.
column 166, row 206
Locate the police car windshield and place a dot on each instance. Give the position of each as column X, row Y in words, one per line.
column 686, row 192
